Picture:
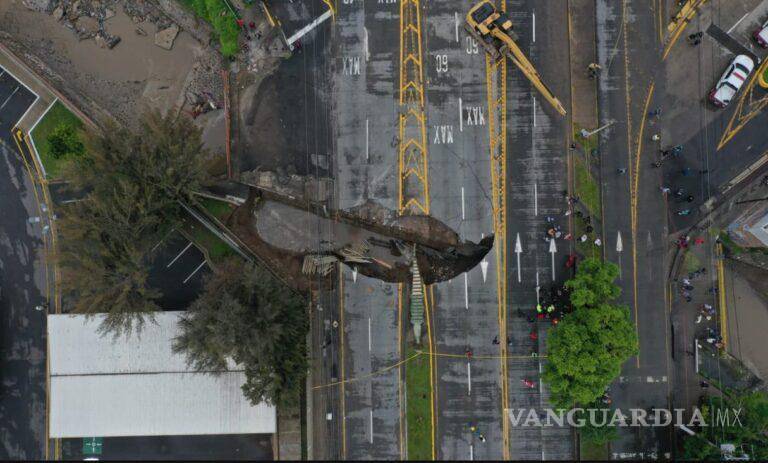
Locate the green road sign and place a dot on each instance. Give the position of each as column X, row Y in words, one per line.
column 92, row 445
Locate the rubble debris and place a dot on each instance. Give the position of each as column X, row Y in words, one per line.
column 417, row 302
column 318, row 264
column 44, row 6
column 164, row 38
column 86, row 27
column 104, row 40
column 58, row 13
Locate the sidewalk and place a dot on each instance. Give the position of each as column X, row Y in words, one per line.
column 47, row 95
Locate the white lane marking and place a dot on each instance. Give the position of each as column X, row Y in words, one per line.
column 456, row 19
column 354, row 275
column 534, row 26
column 462, row 203
column 538, row 301
column 471, row 452
column 737, row 22
column 466, row 292
column 461, row 117
column 22, row 83
column 195, row 271
column 2, row 73
column 371, row 421
column 308, row 28
column 369, row 334
column 9, row 97
column 534, row 110
column 32, row 129
column 541, row 404
column 366, row 139
column 518, row 251
column 536, row 199
column 365, row 45
column 469, row 379
column 177, row 257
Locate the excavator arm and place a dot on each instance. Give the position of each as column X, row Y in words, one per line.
column 517, row 56
column 493, row 30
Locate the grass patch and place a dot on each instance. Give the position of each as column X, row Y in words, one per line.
column 223, row 21
column 217, row 208
column 728, row 243
column 586, row 187
column 587, row 248
column 588, row 144
column 215, row 248
column 418, row 400
column 691, row 262
column 592, row 452
column 58, row 115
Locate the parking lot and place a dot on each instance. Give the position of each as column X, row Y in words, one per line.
column 15, row 100
column 178, row 269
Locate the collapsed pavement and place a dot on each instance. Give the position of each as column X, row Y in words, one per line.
column 280, row 219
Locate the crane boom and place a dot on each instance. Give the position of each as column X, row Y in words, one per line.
column 493, row 30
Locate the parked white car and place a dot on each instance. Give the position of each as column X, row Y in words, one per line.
column 761, row 35
column 731, row 81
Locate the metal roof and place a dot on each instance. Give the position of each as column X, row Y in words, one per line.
column 137, row 386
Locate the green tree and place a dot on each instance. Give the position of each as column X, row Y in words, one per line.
column 748, row 434
column 586, row 349
column 585, row 352
column 248, row 316
column 595, row 435
column 593, row 283
column 64, row 142
column 135, row 182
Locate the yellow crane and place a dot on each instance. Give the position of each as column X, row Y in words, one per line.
column 493, row 30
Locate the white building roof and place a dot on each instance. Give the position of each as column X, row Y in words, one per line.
column 137, row 386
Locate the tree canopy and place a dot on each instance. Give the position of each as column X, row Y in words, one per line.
column 134, row 183
column 247, row 315
column 593, row 283
column 748, row 434
column 586, row 349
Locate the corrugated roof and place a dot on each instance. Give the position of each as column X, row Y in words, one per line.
column 137, row 386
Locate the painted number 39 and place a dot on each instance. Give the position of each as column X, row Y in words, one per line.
column 441, row 62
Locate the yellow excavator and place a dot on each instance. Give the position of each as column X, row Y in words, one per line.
column 493, row 30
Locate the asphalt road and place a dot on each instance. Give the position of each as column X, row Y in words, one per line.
column 465, row 309
column 537, row 177
column 22, row 288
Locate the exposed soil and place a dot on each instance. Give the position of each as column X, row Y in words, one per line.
column 134, row 75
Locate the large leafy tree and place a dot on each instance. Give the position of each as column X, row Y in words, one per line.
column 248, row 316
column 593, row 283
column 586, row 349
column 749, row 433
column 135, row 182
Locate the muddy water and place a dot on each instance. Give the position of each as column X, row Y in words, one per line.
column 136, row 67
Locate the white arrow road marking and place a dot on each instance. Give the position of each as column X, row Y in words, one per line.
column 552, row 251
column 484, row 268
column 619, row 249
column 518, row 251
column 354, row 274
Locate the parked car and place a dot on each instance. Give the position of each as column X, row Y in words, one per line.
column 731, row 81
column 761, row 35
